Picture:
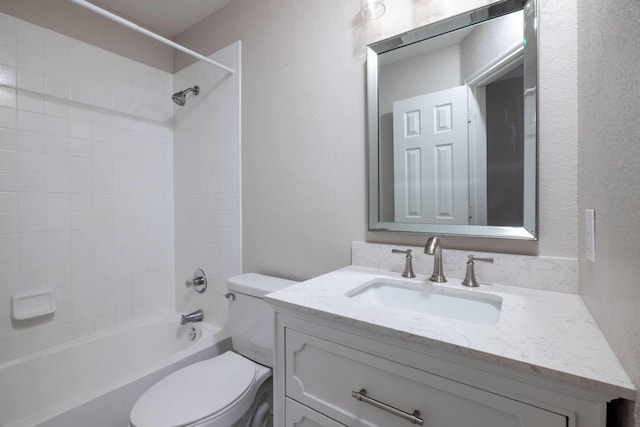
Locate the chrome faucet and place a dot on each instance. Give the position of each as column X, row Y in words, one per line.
column 196, row 316
column 433, row 247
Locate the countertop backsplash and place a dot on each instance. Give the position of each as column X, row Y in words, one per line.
column 536, row 272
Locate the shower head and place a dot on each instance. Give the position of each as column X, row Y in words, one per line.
column 180, row 98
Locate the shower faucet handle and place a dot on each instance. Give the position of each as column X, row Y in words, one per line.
column 198, row 281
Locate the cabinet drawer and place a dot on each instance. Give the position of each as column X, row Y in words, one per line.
column 298, row 415
column 323, row 375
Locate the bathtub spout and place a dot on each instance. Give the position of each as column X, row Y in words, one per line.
column 196, row 316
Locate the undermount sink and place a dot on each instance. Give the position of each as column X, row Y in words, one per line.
column 459, row 304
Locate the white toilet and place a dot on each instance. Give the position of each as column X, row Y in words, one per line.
column 231, row 389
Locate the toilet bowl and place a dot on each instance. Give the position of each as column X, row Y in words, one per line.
column 232, row 389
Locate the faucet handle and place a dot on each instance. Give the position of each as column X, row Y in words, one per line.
column 473, row 258
column 408, row 264
column 198, row 281
column 470, row 277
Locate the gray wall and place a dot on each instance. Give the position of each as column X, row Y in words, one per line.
column 303, row 134
column 609, row 174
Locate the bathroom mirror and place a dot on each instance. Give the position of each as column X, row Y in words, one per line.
column 452, row 125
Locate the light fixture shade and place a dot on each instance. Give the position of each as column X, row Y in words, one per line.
column 372, row 9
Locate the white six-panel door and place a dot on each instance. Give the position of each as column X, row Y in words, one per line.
column 430, row 149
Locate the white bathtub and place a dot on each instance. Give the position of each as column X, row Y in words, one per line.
column 95, row 381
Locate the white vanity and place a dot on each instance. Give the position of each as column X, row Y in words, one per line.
column 344, row 358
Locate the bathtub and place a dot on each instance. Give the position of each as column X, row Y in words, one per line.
column 95, row 381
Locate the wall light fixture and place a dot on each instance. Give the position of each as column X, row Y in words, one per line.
column 372, row 9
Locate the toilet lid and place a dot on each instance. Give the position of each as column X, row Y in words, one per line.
column 194, row 392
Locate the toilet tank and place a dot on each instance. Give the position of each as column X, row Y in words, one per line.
column 251, row 320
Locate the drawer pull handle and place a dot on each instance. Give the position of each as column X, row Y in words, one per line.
column 413, row 418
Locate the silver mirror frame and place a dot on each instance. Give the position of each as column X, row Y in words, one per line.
column 529, row 230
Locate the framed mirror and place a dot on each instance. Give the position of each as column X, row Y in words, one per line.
column 452, row 125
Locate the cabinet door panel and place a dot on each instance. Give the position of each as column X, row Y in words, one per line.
column 323, row 375
column 298, row 415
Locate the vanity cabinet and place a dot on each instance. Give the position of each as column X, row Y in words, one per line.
column 333, row 375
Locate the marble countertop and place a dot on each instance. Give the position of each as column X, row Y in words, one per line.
column 549, row 334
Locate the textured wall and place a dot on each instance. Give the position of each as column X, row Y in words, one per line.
column 303, row 128
column 609, row 175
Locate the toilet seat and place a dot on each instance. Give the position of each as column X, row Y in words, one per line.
column 200, row 392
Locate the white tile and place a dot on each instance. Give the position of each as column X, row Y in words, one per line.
column 58, row 183
column 7, row 76
column 31, row 141
column 8, row 269
column 8, row 160
column 81, row 202
column 58, row 202
column 31, row 121
column 8, row 118
column 81, row 277
column 57, row 68
column 31, row 242
column 82, row 328
column 5, row 308
column 79, row 129
column 61, row 334
column 82, row 256
column 81, row 220
column 31, row 181
column 57, row 88
column 60, row 258
column 57, row 125
column 80, row 147
column 8, row 97
column 8, row 54
column 9, row 244
column 80, row 92
column 103, row 321
column 10, row 347
column 8, row 139
column 57, row 164
column 57, row 145
column 58, row 240
column 8, row 223
column 57, row 107
column 81, row 238
column 31, row 202
column 30, row 101
column 8, row 202
column 31, row 39
column 29, row 222
column 60, row 280
column 30, row 162
column 58, row 221
column 31, row 82
column 9, row 34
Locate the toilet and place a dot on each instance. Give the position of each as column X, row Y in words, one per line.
column 233, row 389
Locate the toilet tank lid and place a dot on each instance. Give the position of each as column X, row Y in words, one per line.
column 257, row 285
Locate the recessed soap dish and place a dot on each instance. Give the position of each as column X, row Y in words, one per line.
column 33, row 304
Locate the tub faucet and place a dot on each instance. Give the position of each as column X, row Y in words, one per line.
column 434, row 248
column 196, row 316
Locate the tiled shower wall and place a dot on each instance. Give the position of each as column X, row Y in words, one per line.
column 207, row 182
column 86, row 185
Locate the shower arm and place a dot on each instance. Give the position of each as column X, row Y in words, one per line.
column 138, row 28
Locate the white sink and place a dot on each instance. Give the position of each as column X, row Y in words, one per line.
column 459, row 304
